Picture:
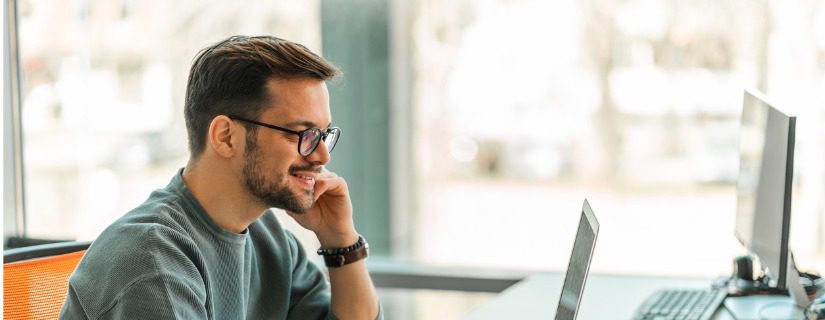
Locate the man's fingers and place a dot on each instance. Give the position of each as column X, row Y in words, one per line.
column 328, row 181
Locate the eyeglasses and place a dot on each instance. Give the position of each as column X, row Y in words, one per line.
column 308, row 139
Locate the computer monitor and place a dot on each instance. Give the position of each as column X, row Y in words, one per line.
column 763, row 213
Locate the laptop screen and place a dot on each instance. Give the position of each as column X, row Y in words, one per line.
column 579, row 265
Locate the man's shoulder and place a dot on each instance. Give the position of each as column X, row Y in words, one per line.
column 142, row 234
column 128, row 258
column 137, row 248
column 127, row 255
column 152, row 243
column 134, row 245
column 163, row 206
column 165, row 210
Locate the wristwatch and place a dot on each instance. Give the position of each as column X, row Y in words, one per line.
column 339, row 257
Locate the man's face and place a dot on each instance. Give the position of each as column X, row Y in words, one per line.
column 273, row 172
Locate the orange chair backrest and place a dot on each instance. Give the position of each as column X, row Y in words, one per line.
column 36, row 288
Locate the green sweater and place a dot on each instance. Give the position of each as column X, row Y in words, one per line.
column 166, row 259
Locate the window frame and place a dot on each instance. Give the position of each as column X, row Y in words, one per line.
column 14, row 219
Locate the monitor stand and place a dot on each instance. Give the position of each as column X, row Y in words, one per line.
column 795, row 288
column 763, row 307
column 757, row 303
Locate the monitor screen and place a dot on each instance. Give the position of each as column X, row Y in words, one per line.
column 766, row 144
column 579, row 265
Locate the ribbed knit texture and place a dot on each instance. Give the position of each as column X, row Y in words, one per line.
column 166, row 259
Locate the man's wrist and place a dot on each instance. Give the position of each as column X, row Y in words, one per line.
column 341, row 256
column 338, row 240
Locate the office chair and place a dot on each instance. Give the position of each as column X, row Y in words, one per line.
column 36, row 279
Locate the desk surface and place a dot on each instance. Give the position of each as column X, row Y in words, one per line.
column 605, row 297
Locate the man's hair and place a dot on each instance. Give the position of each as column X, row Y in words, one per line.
column 230, row 77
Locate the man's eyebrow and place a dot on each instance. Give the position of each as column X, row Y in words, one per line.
column 305, row 123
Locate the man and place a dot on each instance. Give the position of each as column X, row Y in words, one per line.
column 205, row 246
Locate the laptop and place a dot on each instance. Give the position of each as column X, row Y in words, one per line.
column 579, row 265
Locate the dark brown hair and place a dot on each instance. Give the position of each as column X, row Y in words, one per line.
column 230, row 77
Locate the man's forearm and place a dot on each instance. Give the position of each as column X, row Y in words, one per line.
column 353, row 294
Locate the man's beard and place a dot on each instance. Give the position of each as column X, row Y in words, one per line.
column 273, row 193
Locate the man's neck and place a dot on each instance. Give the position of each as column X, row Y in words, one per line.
column 222, row 195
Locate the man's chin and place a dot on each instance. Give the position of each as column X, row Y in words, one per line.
column 288, row 199
column 302, row 201
column 294, row 206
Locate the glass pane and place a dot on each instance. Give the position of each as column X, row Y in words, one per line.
column 524, row 108
column 103, row 91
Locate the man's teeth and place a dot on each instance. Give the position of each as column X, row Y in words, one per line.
column 303, row 177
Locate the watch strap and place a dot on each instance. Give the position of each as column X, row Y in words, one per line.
column 342, row 259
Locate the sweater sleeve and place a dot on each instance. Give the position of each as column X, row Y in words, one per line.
column 310, row 295
column 157, row 297
column 71, row 307
column 149, row 277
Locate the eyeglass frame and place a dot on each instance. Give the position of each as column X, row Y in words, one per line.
column 322, row 133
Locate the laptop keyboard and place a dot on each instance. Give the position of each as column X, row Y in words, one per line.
column 681, row 304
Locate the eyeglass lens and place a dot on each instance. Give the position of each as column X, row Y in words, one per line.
column 332, row 138
column 311, row 138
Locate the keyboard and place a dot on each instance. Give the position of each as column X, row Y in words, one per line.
column 681, row 305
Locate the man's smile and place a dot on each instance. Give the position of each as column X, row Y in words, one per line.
column 306, row 179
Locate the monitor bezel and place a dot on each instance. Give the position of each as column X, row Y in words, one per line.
column 591, row 217
column 593, row 224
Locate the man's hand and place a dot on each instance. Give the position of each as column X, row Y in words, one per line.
column 353, row 294
column 331, row 215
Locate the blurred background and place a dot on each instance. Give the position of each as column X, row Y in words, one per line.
column 472, row 130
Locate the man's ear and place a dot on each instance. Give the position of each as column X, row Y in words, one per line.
column 224, row 137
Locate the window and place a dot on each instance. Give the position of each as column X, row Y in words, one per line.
column 524, row 108
column 504, row 116
column 103, row 86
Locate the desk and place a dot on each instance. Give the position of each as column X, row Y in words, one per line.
column 605, row 297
